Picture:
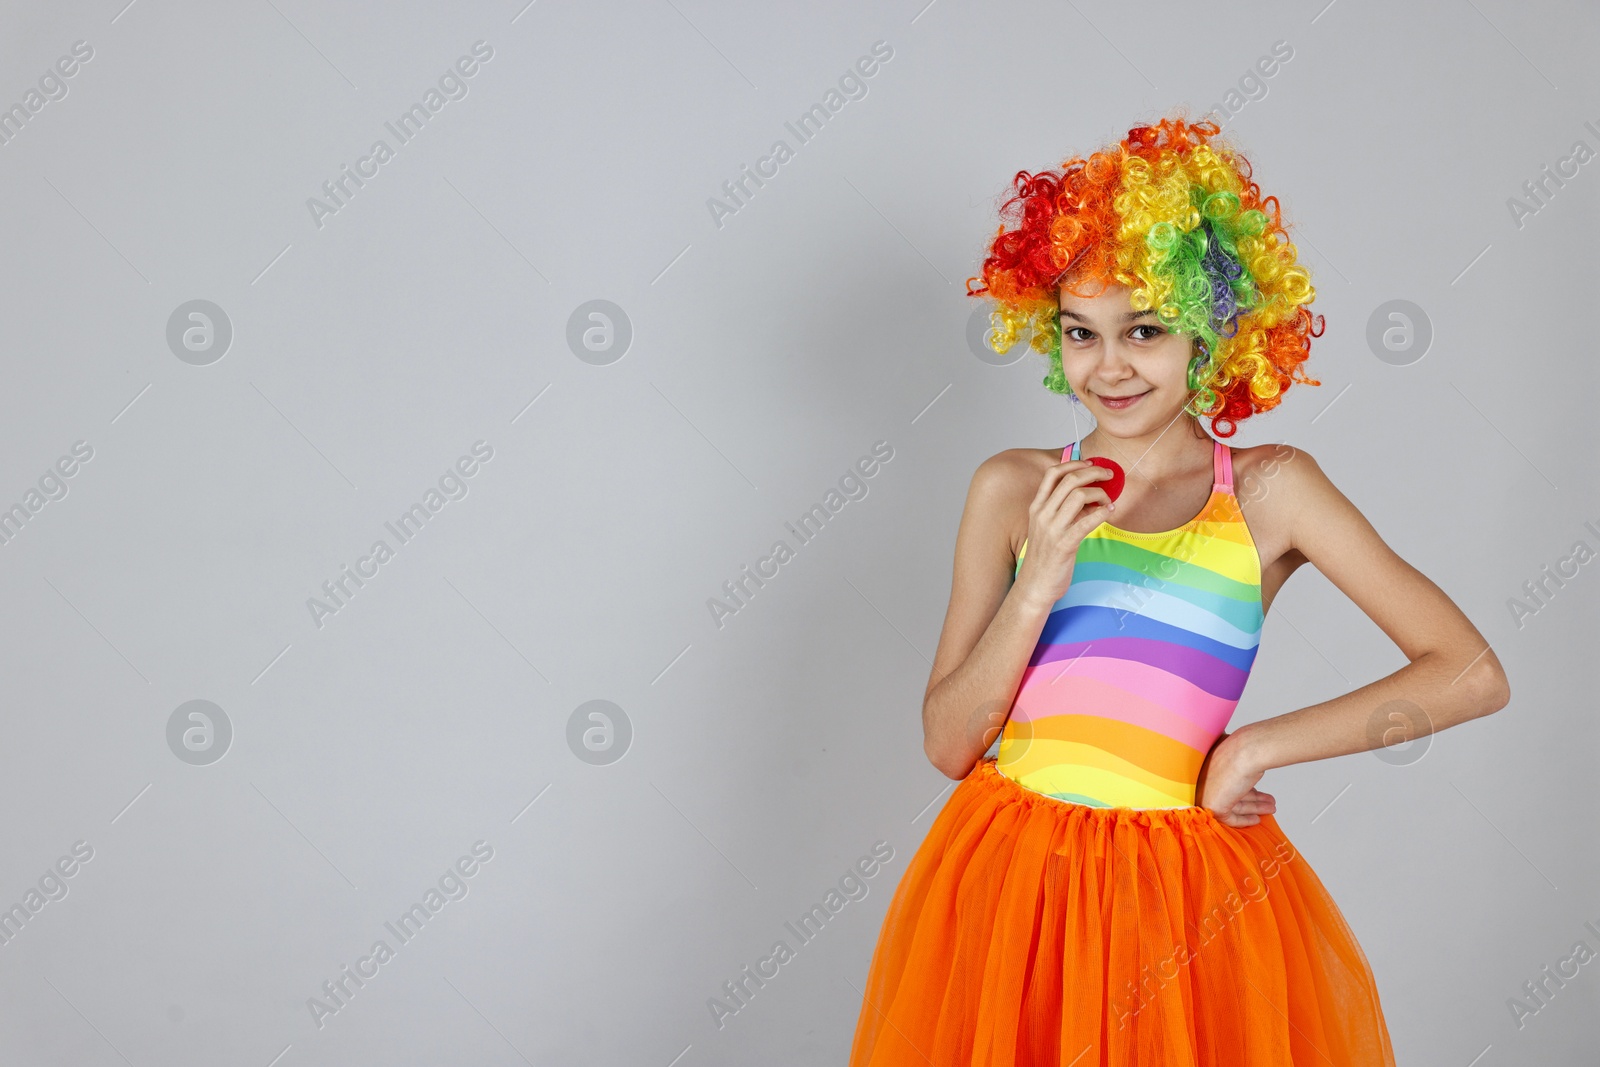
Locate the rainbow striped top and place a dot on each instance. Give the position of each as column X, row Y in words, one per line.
column 1141, row 663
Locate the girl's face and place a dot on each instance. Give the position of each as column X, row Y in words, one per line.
column 1129, row 370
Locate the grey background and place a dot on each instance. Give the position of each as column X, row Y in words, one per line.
column 768, row 355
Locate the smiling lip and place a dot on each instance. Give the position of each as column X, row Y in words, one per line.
column 1118, row 403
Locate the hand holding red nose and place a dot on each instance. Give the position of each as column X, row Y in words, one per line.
column 1112, row 485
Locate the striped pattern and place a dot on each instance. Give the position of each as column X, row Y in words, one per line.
column 1142, row 662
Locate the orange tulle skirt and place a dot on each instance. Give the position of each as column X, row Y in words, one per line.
column 1029, row 931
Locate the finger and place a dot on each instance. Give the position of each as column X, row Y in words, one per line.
column 1046, row 500
column 1077, row 473
column 1089, row 474
column 1092, row 494
column 1253, row 810
column 1261, row 801
column 1056, row 471
column 1057, row 500
column 1051, row 478
column 1093, row 504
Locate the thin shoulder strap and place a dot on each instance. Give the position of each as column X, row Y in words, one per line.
column 1222, row 466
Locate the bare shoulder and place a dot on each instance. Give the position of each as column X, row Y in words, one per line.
column 1256, row 468
column 1004, row 485
column 1012, row 467
column 1277, row 484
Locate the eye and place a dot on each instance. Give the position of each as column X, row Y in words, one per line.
column 1072, row 334
column 1155, row 331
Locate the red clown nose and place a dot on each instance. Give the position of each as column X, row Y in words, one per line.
column 1112, row 485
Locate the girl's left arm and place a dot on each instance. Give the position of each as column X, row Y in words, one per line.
column 1453, row 675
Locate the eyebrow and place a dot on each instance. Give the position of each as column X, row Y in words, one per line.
column 1129, row 317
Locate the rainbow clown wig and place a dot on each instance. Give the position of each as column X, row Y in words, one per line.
column 1171, row 213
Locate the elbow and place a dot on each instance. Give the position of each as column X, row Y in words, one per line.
column 1499, row 695
column 1490, row 685
column 958, row 770
column 940, row 759
column 947, row 748
column 947, row 763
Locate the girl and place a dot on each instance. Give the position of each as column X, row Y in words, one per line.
column 1111, row 887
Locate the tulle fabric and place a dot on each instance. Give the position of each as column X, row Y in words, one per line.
column 1027, row 932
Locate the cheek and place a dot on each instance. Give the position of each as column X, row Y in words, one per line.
column 1170, row 366
column 1075, row 361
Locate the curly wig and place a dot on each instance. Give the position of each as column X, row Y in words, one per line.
column 1171, row 213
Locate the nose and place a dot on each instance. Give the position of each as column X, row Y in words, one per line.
column 1111, row 368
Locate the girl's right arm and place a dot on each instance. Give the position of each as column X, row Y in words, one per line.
column 993, row 623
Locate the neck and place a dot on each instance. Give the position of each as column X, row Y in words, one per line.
column 1177, row 448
